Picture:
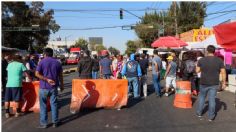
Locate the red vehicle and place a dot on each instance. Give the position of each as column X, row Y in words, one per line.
column 74, row 56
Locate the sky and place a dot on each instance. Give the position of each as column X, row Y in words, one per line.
column 116, row 37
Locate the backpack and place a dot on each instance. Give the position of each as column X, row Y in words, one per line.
column 132, row 66
column 190, row 66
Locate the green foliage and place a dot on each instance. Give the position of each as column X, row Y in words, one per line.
column 146, row 34
column 100, row 47
column 190, row 15
column 38, row 48
column 132, row 46
column 19, row 14
column 113, row 51
column 81, row 43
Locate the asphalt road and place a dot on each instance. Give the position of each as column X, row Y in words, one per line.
column 149, row 115
column 68, row 66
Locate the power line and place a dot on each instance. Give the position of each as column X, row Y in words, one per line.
column 100, row 10
column 131, row 13
column 218, row 16
column 23, row 29
column 226, row 8
column 78, row 17
column 210, row 3
column 218, row 3
column 213, row 13
column 99, row 13
column 93, row 28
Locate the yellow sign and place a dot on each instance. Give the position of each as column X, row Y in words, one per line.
column 201, row 34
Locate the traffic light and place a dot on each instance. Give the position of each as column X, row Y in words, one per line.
column 121, row 13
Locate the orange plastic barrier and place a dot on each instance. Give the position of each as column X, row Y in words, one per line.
column 183, row 95
column 98, row 93
column 30, row 97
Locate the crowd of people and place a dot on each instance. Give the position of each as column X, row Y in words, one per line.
column 202, row 71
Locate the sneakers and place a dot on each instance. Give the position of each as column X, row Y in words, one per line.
column 130, row 94
column 42, row 126
column 212, row 119
column 166, row 94
column 17, row 114
column 7, row 115
column 54, row 125
column 198, row 115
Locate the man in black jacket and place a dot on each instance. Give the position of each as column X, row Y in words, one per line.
column 144, row 63
column 85, row 65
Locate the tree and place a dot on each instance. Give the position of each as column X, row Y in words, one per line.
column 100, row 47
column 132, row 46
column 190, row 15
column 19, row 14
column 147, row 28
column 81, row 43
column 113, row 50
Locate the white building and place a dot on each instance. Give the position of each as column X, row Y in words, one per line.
column 60, row 44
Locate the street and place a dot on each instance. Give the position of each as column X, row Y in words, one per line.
column 68, row 66
column 149, row 115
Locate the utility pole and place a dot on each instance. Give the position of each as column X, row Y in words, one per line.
column 66, row 39
column 176, row 25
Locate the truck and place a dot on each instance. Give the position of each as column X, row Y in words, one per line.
column 74, row 56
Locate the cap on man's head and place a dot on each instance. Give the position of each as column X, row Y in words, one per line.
column 169, row 58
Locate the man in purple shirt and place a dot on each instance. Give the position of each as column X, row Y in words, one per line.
column 49, row 71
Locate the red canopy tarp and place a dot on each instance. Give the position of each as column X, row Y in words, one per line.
column 169, row 41
column 226, row 35
column 74, row 49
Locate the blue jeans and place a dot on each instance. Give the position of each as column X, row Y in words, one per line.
column 43, row 95
column 233, row 71
column 133, row 81
column 107, row 76
column 209, row 91
column 156, row 84
column 94, row 74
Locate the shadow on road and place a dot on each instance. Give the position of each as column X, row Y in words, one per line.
column 72, row 117
column 194, row 99
column 219, row 105
column 64, row 102
column 64, row 94
column 67, row 85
